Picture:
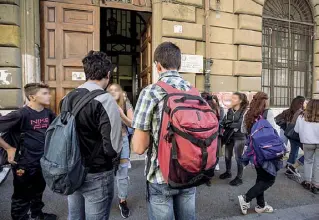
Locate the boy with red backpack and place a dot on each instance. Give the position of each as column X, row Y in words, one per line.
column 180, row 131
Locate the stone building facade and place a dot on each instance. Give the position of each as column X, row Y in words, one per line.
column 235, row 42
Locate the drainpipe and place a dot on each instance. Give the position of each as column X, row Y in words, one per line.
column 208, row 61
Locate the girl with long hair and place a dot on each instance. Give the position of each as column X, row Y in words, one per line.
column 307, row 126
column 233, row 138
column 213, row 102
column 286, row 120
column 126, row 112
column 259, row 108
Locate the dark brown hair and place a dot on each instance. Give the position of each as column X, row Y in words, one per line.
column 214, row 105
column 33, row 88
column 97, row 65
column 296, row 104
column 168, row 55
column 312, row 111
column 244, row 101
column 257, row 108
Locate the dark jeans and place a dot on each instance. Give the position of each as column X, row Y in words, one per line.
column 165, row 203
column 237, row 146
column 263, row 182
column 28, row 188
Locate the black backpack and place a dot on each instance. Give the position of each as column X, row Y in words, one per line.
column 15, row 138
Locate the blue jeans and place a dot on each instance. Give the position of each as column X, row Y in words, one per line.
column 164, row 202
column 122, row 181
column 92, row 201
column 295, row 145
column 122, row 172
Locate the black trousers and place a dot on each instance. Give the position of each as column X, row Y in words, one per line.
column 264, row 181
column 237, row 146
column 28, row 188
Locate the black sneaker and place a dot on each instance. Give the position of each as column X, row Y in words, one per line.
column 45, row 216
column 315, row 190
column 225, row 175
column 125, row 211
column 306, row 185
column 236, row 182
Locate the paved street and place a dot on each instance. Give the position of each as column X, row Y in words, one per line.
column 217, row 202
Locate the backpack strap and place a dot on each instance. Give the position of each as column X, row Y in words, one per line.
column 85, row 100
column 265, row 114
column 170, row 89
column 20, row 148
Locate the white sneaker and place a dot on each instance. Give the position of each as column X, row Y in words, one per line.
column 217, row 167
column 244, row 206
column 266, row 209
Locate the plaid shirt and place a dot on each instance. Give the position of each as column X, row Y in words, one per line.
column 148, row 114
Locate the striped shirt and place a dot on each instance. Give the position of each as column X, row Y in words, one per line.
column 148, row 114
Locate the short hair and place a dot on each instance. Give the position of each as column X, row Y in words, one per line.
column 33, row 88
column 96, row 65
column 168, row 55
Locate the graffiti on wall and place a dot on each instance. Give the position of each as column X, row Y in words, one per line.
column 225, row 97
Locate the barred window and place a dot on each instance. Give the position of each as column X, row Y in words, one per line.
column 288, row 35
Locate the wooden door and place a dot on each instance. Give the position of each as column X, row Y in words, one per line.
column 146, row 56
column 68, row 33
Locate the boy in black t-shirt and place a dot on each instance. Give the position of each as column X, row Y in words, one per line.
column 28, row 182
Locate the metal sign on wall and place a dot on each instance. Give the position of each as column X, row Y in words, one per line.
column 192, row 64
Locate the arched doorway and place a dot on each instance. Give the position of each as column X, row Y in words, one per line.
column 288, row 32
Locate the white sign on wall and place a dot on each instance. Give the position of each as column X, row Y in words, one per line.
column 78, row 76
column 192, row 64
column 178, row 29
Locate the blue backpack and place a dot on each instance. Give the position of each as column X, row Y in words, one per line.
column 62, row 164
column 265, row 143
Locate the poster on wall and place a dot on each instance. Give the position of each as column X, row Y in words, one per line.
column 192, row 64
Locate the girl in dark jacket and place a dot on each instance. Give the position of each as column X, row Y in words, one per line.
column 233, row 138
column 286, row 120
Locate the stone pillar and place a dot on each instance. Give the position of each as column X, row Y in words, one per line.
column 10, row 56
column 248, row 37
column 30, row 40
column 182, row 23
column 156, row 31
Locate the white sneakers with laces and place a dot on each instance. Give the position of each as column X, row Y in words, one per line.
column 266, row 209
column 244, row 206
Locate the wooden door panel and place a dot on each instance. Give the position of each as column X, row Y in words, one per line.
column 68, row 33
column 146, row 56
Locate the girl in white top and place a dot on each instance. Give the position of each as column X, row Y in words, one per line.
column 307, row 126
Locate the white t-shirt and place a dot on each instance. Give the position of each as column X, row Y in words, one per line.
column 308, row 131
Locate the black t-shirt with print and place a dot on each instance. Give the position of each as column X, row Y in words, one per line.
column 34, row 126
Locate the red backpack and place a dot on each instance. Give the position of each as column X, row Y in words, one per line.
column 187, row 138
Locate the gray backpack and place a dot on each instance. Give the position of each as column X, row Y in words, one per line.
column 62, row 164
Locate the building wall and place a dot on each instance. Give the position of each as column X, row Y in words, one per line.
column 10, row 55
column 235, row 41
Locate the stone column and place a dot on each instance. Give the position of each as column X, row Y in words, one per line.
column 30, row 40
column 248, row 37
column 10, row 56
column 156, row 31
